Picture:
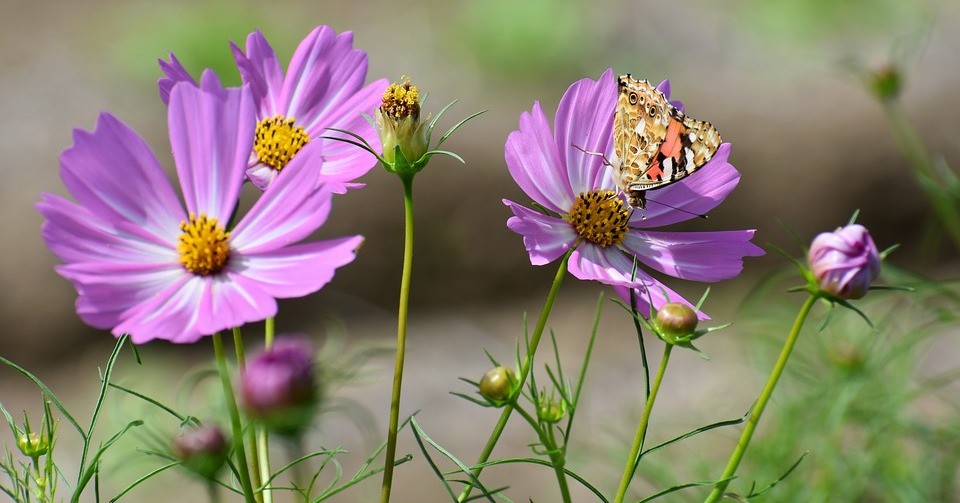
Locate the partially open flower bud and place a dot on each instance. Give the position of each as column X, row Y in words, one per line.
column 676, row 320
column 497, row 384
column 398, row 122
column 33, row 445
column 844, row 262
column 203, row 450
column 278, row 388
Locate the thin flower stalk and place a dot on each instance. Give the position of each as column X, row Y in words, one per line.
column 235, row 425
column 524, row 372
column 391, row 451
column 630, row 467
column 757, row 411
column 556, row 454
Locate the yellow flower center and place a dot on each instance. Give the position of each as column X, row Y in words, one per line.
column 204, row 245
column 278, row 140
column 599, row 216
column 401, row 101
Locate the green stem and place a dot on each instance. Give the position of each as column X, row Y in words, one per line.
column 391, row 452
column 757, row 411
column 255, row 453
column 549, row 441
column 524, row 372
column 213, row 492
column 235, row 426
column 269, row 331
column 630, row 467
column 262, row 441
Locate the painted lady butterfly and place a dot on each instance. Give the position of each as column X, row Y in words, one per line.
column 654, row 143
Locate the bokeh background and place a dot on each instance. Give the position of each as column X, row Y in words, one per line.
column 783, row 81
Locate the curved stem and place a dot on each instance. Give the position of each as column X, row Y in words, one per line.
column 391, row 451
column 235, row 424
column 630, row 467
column 744, row 441
column 557, row 460
column 524, row 372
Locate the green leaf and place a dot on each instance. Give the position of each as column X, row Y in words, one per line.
column 431, row 153
column 145, row 478
column 535, row 461
column 853, row 219
column 421, row 436
column 702, row 429
column 678, row 488
column 94, row 466
column 105, row 382
column 433, row 122
column 456, row 127
column 779, row 480
column 46, row 391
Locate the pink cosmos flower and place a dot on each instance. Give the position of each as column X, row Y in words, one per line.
column 323, row 88
column 143, row 264
column 585, row 206
column 844, row 262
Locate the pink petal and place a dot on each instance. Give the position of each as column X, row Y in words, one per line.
column 546, row 238
column 260, row 69
column 74, row 234
column 698, row 256
column 295, row 271
column 292, row 207
column 696, row 194
column 324, row 71
column 585, row 120
column 175, row 73
column 113, row 173
column 211, row 133
column 535, row 163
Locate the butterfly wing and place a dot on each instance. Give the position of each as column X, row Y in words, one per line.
column 640, row 126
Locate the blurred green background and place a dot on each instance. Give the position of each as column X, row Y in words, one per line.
column 782, row 81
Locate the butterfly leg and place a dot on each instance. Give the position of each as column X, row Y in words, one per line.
column 605, row 161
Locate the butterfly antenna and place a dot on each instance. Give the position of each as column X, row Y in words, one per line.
column 605, row 161
column 700, row 215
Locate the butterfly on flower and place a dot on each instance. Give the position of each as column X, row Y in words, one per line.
column 655, row 144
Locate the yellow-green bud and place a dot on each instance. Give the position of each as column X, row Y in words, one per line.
column 33, row 445
column 676, row 320
column 886, row 82
column 497, row 384
column 550, row 411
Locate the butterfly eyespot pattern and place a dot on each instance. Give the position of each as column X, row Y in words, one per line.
column 655, row 144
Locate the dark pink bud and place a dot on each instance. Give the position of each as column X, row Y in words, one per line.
column 278, row 388
column 844, row 262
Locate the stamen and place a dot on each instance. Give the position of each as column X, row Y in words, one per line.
column 204, row 245
column 401, row 101
column 599, row 216
column 278, row 140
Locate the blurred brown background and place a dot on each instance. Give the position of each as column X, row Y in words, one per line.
column 781, row 80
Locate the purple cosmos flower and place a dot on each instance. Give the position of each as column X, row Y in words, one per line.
column 844, row 262
column 589, row 209
column 144, row 265
column 323, row 88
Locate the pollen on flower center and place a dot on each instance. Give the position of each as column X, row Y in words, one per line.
column 401, row 101
column 599, row 216
column 277, row 140
column 204, row 245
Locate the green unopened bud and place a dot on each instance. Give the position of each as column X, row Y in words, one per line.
column 550, row 411
column 497, row 384
column 886, row 83
column 676, row 320
column 398, row 121
column 33, row 445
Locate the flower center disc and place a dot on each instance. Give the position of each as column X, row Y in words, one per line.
column 599, row 216
column 203, row 246
column 278, row 140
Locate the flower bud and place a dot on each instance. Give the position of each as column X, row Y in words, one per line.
column 497, row 384
column 33, row 445
column 676, row 320
column 551, row 411
column 886, row 82
column 398, row 121
column 203, row 450
column 844, row 262
column 278, row 388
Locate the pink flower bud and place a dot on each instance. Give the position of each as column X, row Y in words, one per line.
column 278, row 388
column 844, row 262
column 203, row 450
